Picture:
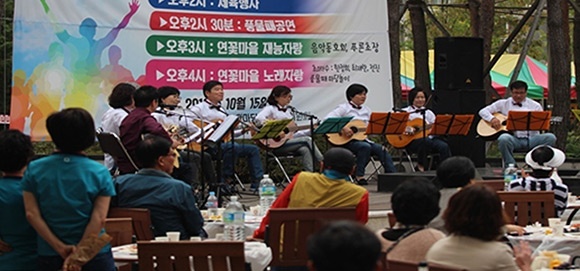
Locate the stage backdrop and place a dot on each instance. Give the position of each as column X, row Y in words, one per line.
column 71, row 53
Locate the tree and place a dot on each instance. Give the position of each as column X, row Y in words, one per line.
column 420, row 49
column 394, row 30
column 559, row 52
column 6, row 14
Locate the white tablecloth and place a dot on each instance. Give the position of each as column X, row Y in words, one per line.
column 539, row 241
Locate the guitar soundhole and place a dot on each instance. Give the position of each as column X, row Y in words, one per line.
column 354, row 129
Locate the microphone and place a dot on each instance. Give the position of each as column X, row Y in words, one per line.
column 301, row 113
column 398, row 110
column 172, row 107
column 292, row 108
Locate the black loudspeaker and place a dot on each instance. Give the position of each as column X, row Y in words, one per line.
column 463, row 102
column 458, row 63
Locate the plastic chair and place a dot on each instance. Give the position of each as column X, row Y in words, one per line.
column 198, row 256
column 141, row 218
column 289, row 229
column 527, row 207
column 111, row 143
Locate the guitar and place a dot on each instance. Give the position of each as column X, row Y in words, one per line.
column 402, row 140
column 359, row 128
column 484, row 128
column 287, row 134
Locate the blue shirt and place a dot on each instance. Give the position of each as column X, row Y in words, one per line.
column 15, row 229
column 65, row 187
column 170, row 201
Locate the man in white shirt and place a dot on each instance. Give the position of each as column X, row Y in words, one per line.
column 211, row 110
column 520, row 140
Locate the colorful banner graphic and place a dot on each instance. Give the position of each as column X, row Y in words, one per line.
column 71, row 53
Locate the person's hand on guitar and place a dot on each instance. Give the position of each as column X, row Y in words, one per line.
column 409, row 130
column 495, row 123
column 346, row 131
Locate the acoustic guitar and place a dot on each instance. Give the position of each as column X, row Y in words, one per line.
column 359, row 128
column 287, row 134
column 402, row 140
column 484, row 128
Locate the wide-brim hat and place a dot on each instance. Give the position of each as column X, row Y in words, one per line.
column 557, row 159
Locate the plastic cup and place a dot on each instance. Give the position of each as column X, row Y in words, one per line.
column 173, row 236
column 195, row 238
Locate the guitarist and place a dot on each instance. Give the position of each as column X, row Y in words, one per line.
column 211, row 110
column 278, row 109
column 356, row 94
column 424, row 145
column 169, row 114
column 520, row 140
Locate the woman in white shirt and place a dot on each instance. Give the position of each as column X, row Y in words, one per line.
column 428, row 144
column 298, row 143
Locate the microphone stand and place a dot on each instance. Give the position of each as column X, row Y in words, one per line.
column 311, row 118
column 202, row 160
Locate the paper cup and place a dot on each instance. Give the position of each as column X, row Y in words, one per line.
column 173, row 236
column 255, row 210
column 552, row 222
column 571, row 198
column 195, row 238
column 205, row 214
column 219, row 237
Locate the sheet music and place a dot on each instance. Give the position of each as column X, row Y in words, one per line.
column 223, row 128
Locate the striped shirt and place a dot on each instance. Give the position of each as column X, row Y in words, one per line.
column 544, row 184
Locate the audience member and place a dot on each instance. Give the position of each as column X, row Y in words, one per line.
column 474, row 219
column 415, row 202
column 171, row 202
column 121, row 103
column 18, row 237
column 544, row 160
column 346, row 246
column 330, row 188
column 67, row 194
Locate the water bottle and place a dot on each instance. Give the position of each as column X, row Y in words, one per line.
column 212, row 205
column 423, row 267
column 510, row 174
column 267, row 194
column 234, row 221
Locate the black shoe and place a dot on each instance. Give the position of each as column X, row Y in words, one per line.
column 362, row 181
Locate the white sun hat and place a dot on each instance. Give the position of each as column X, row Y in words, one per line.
column 557, row 159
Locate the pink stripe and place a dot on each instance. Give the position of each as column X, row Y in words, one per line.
column 540, row 76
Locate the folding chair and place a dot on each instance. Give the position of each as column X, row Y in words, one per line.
column 278, row 158
column 198, row 256
column 141, row 219
column 289, row 229
column 527, row 207
column 111, row 143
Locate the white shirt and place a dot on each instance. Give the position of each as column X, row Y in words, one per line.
column 505, row 105
column 182, row 118
column 429, row 115
column 110, row 123
column 272, row 112
column 348, row 110
column 212, row 113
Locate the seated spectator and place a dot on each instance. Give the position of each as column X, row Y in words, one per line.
column 474, row 219
column 330, row 188
column 415, row 202
column 171, row 202
column 346, row 246
column 543, row 160
column 66, row 194
column 18, row 237
column 452, row 174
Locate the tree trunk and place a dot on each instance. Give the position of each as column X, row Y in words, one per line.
column 474, row 7
column 487, row 14
column 576, row 47
column 394, row 7
column 559, row 67
column 420, row 49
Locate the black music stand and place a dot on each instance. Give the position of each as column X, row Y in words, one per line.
column 332, row 125
column 215, row 140
column 271, row 129
column 451, row 124
column 528, row 121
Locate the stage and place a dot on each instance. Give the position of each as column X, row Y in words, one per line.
column 389, row 181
